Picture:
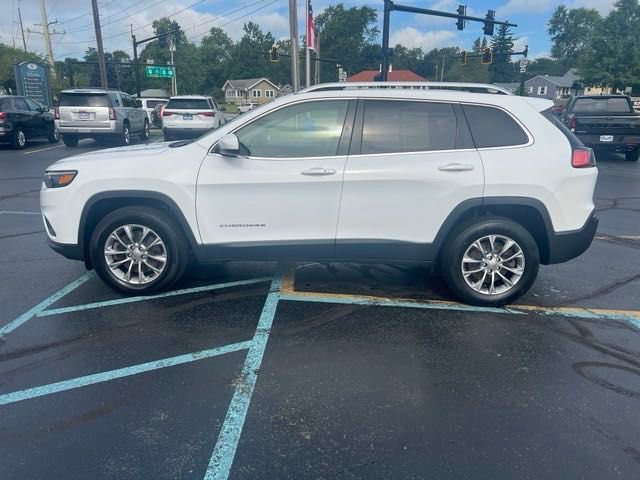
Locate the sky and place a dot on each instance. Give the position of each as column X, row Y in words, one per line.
column 75, row 31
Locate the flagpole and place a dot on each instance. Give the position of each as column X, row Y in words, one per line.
column 307, row 60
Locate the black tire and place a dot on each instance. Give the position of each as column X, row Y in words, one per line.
column 167, row 136
column 70, row 140
column 146, row 131
column 54, row 136
column 632, row 156
column 19, row 139
column 177, row 249
column 125, row 135
column 464, row 236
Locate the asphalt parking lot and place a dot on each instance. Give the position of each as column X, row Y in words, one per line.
column 268, row 371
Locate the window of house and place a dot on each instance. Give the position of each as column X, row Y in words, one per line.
column 401, row 126
column 542, row 90
column 529, row 89
column 269, row 93
column 310, row 129
column 256, row 93
column 492, row 127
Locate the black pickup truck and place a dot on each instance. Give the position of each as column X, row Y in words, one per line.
column 605, row 122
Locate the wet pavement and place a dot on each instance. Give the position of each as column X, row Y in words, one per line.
column 252, row 370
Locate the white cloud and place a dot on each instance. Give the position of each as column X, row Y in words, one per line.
column 520, row 43
column 411, row 38
column 602, row 6
column 524, row 6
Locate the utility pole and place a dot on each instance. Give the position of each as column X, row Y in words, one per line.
column 172, row 49
column 442, row 70
column 24, row 42
column 293, row 33
column 307, row 59
column 317, row 71
column 45, row 32
column 96, row 24
column 523, row 69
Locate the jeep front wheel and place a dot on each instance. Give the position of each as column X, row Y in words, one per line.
column 138, row 250
column 491, row 262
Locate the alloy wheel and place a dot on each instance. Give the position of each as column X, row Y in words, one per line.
column 135, row 254
column 22, row 139
column 493, row 264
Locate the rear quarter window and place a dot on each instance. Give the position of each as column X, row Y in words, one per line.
column 492, row 127
column 188, row 103
column 83, row 100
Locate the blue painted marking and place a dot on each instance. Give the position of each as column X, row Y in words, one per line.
column 28, row 315
column 120, row 373
column 582, row 313
column 174, row 293
column 225, row 449
column 389, row 302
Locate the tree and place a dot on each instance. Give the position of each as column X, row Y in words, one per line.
column 406, row 58
column 9, row 56
column 431, row 65
column 612, row 57
column 474, row 70
column 249, row 56
column 501, row 69
column 349, row 36
column 572, row 31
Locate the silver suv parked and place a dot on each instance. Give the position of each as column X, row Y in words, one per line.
column 98, row 113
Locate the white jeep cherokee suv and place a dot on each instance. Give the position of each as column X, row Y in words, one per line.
column 485, row 187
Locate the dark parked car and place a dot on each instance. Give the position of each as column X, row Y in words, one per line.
column 605, row 123
column 23, row 119
column 156, row 115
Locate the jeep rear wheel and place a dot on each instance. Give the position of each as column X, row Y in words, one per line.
column 138, row 250
column 490, row 262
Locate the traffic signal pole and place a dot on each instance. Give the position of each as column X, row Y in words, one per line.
column 390, row 6
column 135, row 55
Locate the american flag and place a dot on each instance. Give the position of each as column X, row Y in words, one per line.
column 311, row 29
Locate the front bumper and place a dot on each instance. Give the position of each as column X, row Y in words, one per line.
column 567, row 245
column 70, row 251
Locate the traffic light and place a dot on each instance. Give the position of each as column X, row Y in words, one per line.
column 488, row 25
column 463, row 57
column 487, row 56
column 462, row 11
column 274, row 55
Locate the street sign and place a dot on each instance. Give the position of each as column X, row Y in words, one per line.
column 523, row 65
column 32, row 80
column 158, row 71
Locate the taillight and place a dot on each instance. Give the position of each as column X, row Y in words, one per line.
column 166, row 114
column 208, row 114
column 161, row 110
column 112, row 113
column 3, row 115
column 583, row 158
column 56, row 113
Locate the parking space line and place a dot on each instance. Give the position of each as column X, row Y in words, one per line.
column 41, row 149
column 120, row 373
column 225, row 449
column 9, row 212
column 125, row 300
column 34, row 311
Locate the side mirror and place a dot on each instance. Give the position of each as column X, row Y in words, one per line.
column 229, row 145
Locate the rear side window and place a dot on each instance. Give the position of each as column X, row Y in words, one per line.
column 401, row 126
column 83, row 100
column 601, row 105
column 20, row 104
column 188, row 103
column 5, row 104
column 492, row 127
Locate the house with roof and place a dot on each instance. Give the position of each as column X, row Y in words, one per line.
column 561, row 88
column 250, row 90
column 392, row 76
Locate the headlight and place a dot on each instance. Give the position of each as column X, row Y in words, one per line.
column 59, row 179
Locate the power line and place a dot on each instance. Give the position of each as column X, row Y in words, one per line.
column 88, row 27
column 84, row 15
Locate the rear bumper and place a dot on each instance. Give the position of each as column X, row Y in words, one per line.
column 567, row 245
column 70, row 251
column 619, row 142
column 105, row 129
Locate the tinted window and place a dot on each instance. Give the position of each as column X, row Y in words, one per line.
column 604, row 105
column 153, row 103
column 83, row 100
column 310, row 129
column 5, row 104
column 400, row 126
column 188, row 104
column 32, row 105
column 127, row 101
column 20, row 104
column 492, row 127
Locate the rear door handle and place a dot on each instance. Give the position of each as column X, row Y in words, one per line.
column 318, row 171
column 456, row 167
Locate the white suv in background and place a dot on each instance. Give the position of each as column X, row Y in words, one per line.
column 190, row 115
column 484, row 187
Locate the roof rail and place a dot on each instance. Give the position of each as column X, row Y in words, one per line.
column 459, row 86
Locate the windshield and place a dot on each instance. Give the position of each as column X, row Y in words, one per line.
column 188, row 103
column 83, row 100
column 153, row 103
column 602, row 105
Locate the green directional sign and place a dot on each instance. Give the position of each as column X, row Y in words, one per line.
column 159, row 71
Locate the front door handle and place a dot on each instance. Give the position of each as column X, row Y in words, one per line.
column 318, row 171
column 456, row 167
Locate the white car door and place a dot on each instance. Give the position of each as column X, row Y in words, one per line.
column 284, row 189
column 413, row 163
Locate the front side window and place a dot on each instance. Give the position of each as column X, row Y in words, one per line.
column 492, row 127
column 401, row 126
column 310, row 129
